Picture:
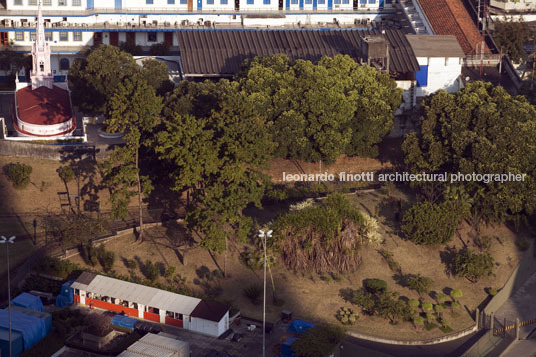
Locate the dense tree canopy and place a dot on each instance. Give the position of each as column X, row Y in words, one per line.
column 134, row 109
column 217, row 148
column 510, row 36
column 480, row 129
column 320, row 111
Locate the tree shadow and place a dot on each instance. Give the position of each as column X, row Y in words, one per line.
column 447, row 258
column 346, row 294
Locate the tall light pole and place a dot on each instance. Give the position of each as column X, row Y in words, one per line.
column 5, row 241
column 263, row 235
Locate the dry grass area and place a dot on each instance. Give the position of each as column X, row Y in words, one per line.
column 344, row 163
column 307, row 295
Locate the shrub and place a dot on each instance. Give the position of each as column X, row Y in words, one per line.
column 107, row 260
column 336, row 277
column 18, row 174
column 375, row 286
column 347, row 316
column 420, row 284
column 413, row 303
column 170, row 272
column 492, row 291
column 523, row 245
column 418, row 320
column 456, row 294
column 318, row 341
column 151, row 271
column 471, row 265
column 429, row 224
column 427, row 306
column 131, row 263
column 253, row 293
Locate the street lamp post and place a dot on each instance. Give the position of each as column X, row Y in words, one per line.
column 263, row 235
column 5, row 241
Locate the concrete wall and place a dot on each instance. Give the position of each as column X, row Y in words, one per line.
column 45, row 151
column 524, row 270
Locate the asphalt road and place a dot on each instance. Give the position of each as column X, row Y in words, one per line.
column 355, row 347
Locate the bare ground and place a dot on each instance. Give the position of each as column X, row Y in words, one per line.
column 311, row 298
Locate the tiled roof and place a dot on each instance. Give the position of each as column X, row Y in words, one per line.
column 43, row 106
column 222, row 52
column 450, row 17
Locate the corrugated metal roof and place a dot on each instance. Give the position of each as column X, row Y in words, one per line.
column 166, row 343
column 435, row 46
column 149, row 350
column 127, row 353
column 140, row 294
column 222, row 52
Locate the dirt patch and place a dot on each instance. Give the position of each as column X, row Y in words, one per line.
column 310, row 297
column 350, row 165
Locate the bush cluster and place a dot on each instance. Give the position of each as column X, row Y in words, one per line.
column 471, row 265
column 18, row 174
column 430, row 224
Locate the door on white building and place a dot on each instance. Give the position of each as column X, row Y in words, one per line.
column 114, row 38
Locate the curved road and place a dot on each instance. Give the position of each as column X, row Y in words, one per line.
column 355, row 347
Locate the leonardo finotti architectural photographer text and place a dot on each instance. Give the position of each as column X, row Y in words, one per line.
column 404, row 177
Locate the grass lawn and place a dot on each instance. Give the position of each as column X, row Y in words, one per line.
column 310, row 297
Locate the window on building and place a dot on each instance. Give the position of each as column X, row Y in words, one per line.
column 321, row 2
column 77, row 36
column 294, row 2
column 308, row 2
column 32, row 36
column 266, row 2
column 149, row 2
column 388, row 1
column 151, row 36
column 362, row 1
column 223, row 2
column 19, row 36
column 62, row 2
column 17, row 2
column 250, row 2
column 345, row 1
column 47, row 2
column 64, row 36
column 32, row 2
column 77, row 2
column 371, row 1
column 337, row 2
column 210, row 2
column 171, row 2
column 48, row 36
column 183, row 2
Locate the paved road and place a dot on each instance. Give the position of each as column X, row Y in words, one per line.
column 354, row 347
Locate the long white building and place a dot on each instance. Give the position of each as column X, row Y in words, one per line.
column 74, row 25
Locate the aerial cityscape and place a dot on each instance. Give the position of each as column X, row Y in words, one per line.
column 247, row 178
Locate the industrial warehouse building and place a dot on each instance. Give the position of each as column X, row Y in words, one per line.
column 144, row 302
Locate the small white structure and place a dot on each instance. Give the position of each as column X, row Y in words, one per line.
column 152, row 345
column 144, row 302
column 440, row 60
column 514, row 5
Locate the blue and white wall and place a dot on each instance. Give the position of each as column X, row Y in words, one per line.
column 438, row 73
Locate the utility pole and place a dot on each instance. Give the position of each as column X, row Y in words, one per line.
column 8, row 241
column 263, row 235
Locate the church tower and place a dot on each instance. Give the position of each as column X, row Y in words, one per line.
column 41, row 72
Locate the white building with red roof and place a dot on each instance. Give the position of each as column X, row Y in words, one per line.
column 43, row 108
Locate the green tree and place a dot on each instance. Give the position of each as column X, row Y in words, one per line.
column 430, row 224
column 480, row 129
column 217, row 156
column 134, row 108
column 510, row 36
column 419, row 283
column 320, row 111
column 318, row 341
column 131, row 47
column 156, row 74
column 95, row 79
column 19, row 174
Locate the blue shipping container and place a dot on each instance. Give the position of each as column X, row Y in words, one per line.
column 17, row 344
